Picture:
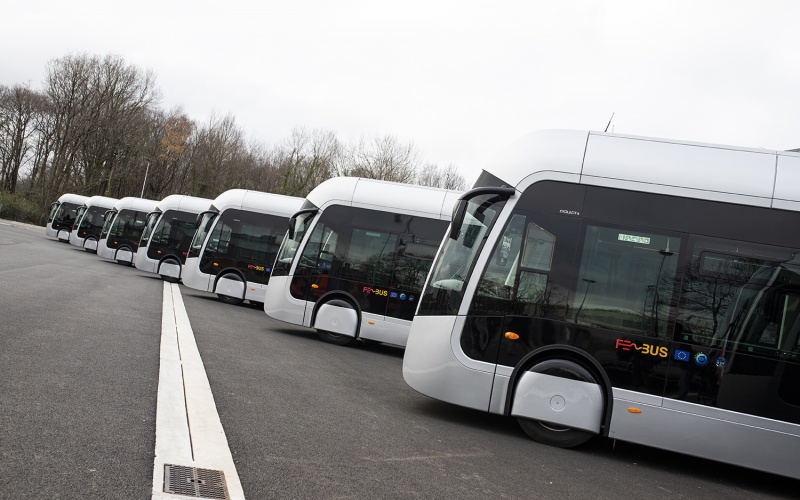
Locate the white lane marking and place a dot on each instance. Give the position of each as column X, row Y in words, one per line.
column 188, row 429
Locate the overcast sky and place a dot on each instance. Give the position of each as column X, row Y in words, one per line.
column 459, row 79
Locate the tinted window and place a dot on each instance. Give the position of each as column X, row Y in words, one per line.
column 740, row 294
column 126, row 229
column 172, row 235
column 243, row 240
column 92, row 222
column 531, row 269
column 371, row 255
column 627, row 279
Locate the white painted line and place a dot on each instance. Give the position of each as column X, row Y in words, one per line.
column 188, row 429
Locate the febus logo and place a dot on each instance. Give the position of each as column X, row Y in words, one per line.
column 652, row 350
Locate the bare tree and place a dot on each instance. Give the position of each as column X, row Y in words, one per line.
column 165, row 162
column 447, row 178
column 216, row 151
column 304, row 160
column 98, row 109
column 20, row 108
column 382, row 158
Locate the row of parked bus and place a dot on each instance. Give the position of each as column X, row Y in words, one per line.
column 641, row 289
column 358, row 275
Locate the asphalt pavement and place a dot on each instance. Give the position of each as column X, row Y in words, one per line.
column 79, row 370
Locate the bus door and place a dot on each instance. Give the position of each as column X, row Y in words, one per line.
column 523, row 296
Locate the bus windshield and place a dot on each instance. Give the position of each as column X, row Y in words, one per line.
column 78, row 216
column 152, row 218
column 109, row 217
column 452, row 268
column 203, row 227
column 53, row 209
column 291, row 242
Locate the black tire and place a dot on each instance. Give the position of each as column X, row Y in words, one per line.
column 553, row 434
column 229, row 300
column 336, row 338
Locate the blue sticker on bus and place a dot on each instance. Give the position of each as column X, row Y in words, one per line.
column 701, row 359
column 682, row 355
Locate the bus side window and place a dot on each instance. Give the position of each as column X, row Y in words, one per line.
column 627, row 279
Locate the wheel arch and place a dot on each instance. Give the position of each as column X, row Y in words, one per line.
column 567, row 353
column 338, row 295
column 176, row 260
column 228, row 271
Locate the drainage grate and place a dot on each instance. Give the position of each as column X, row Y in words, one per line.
column 191, row 481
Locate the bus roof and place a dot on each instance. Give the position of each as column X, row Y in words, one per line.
column 72, row 198
column 101, row 201
column 257, row 201
column 133, row 203
column 184, row 203
column 748, row 176
column 384, row 195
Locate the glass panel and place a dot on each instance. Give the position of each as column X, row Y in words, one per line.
column 152, row 218
column 722, row 280
column 92, row 222
column 451, row 270
column 542, row 287
column 498, row 278
column 109, row 220
column 413, row 262
column 53, row 210
column 219, row 240
column 126, row 228
column 370, row 256
column 199, row 237
column 289, row 245
column 538, row 253
column 627, row 280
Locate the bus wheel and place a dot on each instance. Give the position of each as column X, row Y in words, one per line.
column 167, row 277
column 232, row 283
column 335, row 338
column 331, row 337
column 229, row 300
column 554, row 434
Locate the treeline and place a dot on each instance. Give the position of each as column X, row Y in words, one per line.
column 96, row 128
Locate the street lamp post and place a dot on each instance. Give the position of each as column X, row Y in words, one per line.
column 147, row 171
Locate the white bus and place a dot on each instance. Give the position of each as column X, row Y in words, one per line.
column 62, row 215
column 236, row 242
column 641, row 289
column 355, row 258
column 89, row 222
column 123, row 229
column 167, row 234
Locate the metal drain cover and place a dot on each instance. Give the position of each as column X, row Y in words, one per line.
column 194, row 482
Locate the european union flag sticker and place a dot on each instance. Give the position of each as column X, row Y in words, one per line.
column 682, row 355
